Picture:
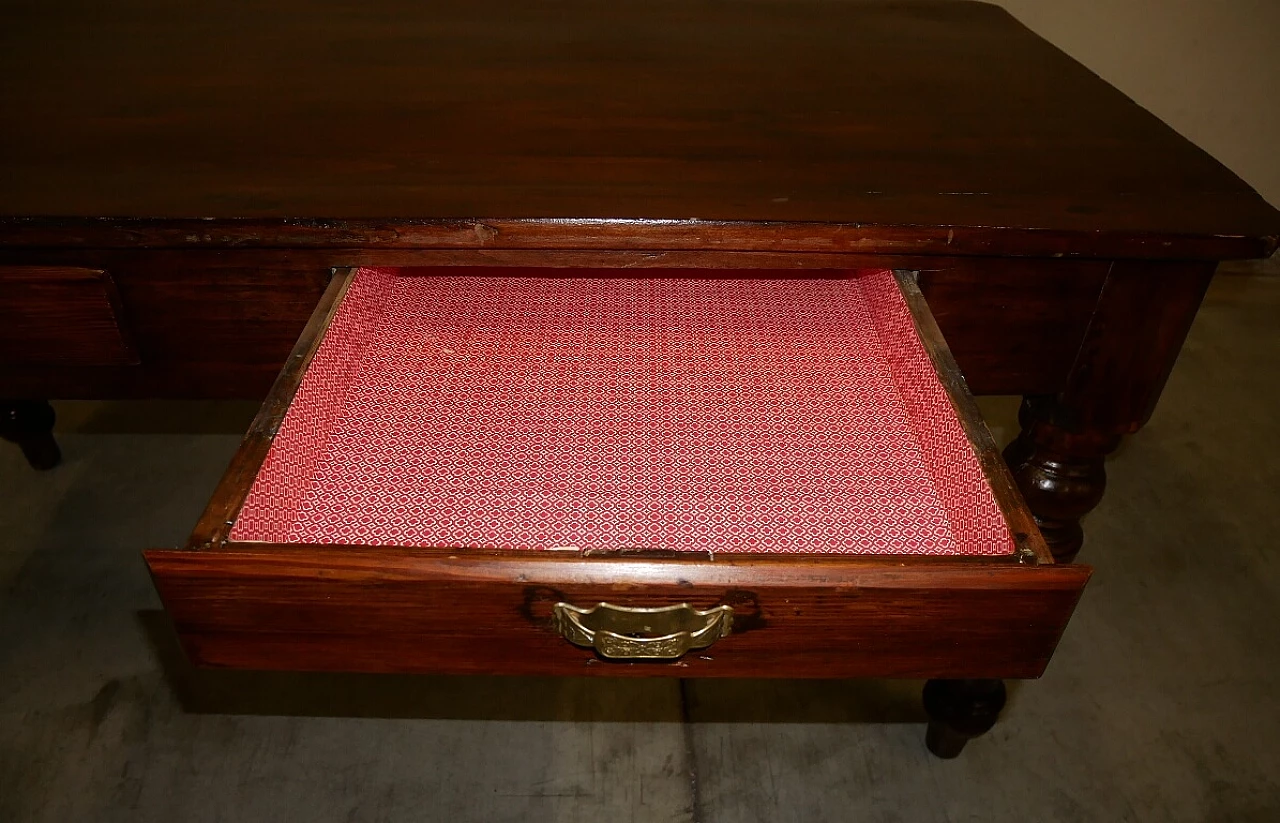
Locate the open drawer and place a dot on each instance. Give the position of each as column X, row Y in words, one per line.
column 761, row 473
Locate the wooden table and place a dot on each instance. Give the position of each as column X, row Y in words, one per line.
column 176, row 185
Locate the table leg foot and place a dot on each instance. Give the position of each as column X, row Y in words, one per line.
column 29, row 423
column 960, row 710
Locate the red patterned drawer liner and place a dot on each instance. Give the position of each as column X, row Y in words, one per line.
column 731, row 414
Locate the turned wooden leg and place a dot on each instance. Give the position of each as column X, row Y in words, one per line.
column 29, row 423
column 960, row 710
column 1060, row 473
column 1143, row 313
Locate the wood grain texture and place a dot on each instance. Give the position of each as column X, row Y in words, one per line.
column 1013, row 324
column 62, row 316
column 619, row 234
column 203, row 326
column 893, row 127
column 1143, row 314
column 357, row 609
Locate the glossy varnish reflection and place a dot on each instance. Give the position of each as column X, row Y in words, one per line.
column 925, row 127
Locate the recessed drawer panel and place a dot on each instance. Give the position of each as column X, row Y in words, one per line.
column 61, row 316
column 683, row 473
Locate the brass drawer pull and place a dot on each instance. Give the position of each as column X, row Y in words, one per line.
column 627, row 633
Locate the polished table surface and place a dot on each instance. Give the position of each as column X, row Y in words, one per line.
column 177, row 182
column 933, row 127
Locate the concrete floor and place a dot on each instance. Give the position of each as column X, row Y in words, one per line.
column 1160, row 705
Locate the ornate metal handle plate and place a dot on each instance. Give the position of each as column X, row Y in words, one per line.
column 627, row 633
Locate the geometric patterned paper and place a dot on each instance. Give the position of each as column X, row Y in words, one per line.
column 762, row 413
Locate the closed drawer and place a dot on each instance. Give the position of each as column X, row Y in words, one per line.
column 683, row 474
column 61, row 316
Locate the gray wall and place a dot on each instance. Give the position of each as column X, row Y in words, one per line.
column 1209, row 68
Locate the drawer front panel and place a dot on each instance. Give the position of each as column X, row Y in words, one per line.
column 60, row 316
column 398, row 611
column 201, row 325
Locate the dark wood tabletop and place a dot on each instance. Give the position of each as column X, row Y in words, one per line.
column 912, row 127
column 183, row 186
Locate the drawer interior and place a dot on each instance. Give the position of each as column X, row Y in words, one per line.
column 761, row 414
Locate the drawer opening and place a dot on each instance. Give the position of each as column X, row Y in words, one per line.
column 457, row 461
column 766, row 413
